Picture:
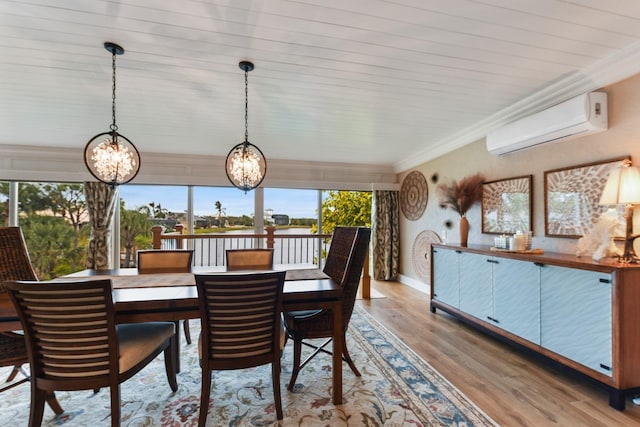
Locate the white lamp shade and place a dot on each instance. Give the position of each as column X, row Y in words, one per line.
column 622, row 187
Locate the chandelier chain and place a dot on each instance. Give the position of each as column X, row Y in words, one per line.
column 246, row 105
column 245, row 164
column 113, row 126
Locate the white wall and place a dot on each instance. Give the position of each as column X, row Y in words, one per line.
column 622, row 138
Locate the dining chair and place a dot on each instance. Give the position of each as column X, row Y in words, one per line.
column 168, row 261
column 74, row 343
column 15, row 264
column 249, row 259
column 344, row 263
column 241, row 327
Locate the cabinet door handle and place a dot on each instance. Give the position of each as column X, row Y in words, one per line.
column 493, row 261
column 458, row 251
column 605, row 367
column 493, row 320
column 539, row 264
column 605, row 281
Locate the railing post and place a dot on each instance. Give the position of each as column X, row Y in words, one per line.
column 156, row 230
column 271, row 240
column 180, row 240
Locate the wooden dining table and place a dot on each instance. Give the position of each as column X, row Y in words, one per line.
column 173, row 296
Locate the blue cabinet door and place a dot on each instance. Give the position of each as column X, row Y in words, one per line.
column 446, row 276
column 576, row 315
column 516, row 290
column 476, row 279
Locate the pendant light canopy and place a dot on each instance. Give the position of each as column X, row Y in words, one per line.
column 246, row 166
column 111, row 157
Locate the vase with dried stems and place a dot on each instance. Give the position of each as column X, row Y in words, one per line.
column 460, row 196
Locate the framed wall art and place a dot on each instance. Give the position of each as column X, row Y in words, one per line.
column 507, row 205
column 572, row 195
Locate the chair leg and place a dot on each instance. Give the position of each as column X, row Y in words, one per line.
column 38, row 397
column 275, row 379
column 177, row 346
column 115, row 405
column 187, row 331
column 204, row 395
column 53, row 403
column 297, row 352
column 170, row 364
column 347, row 356
column 14, row 372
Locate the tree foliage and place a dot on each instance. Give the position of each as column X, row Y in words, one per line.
column 53, row 218
column 134, row 232
column 154, row 210
column 4, row 203
column 51, row 242
column 67, row 201
column 348, row 208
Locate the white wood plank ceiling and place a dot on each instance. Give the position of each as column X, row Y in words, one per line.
column 361, row 81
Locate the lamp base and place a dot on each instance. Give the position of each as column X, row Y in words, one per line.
column 629, row 255
column 629, row 260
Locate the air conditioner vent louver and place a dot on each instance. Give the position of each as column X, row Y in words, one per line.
column 579, row 116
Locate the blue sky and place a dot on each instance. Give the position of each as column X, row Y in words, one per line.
column 295, row 203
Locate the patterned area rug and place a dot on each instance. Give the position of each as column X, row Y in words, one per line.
column 397, row 388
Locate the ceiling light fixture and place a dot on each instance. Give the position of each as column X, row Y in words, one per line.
column 109, row 156
column 246, row 166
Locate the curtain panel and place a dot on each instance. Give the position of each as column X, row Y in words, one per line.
column 100, row 199
column 386, row 235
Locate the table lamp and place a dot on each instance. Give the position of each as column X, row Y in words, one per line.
column 623, row 188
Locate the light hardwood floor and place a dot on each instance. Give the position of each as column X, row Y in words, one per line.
column 513, row 388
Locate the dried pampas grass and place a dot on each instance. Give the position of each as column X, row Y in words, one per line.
column 461, row 195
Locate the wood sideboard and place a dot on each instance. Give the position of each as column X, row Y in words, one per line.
column 580, row 313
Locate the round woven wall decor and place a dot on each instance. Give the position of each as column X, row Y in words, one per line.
column 413, row 195
column 421, row 254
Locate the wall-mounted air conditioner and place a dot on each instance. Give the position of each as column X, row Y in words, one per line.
column 579, row 116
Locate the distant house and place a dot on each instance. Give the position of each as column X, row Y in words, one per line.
column 280, row 219
column 202, row 223
column 268, row 216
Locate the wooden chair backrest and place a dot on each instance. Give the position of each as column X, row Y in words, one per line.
column 15, row 263
column 345, row 260
column 165, row 261
column 249, row 259
column 240, row 317
column 70, row 332
column 337, row 260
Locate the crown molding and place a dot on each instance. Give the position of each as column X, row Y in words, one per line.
column 612, row 69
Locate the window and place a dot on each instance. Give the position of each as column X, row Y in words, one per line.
column 296, row 208
column 222, row 207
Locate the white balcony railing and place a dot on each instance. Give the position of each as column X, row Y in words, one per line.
column 209, row 249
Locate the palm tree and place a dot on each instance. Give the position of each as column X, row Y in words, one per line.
column 134, row 232
column 220, row 212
